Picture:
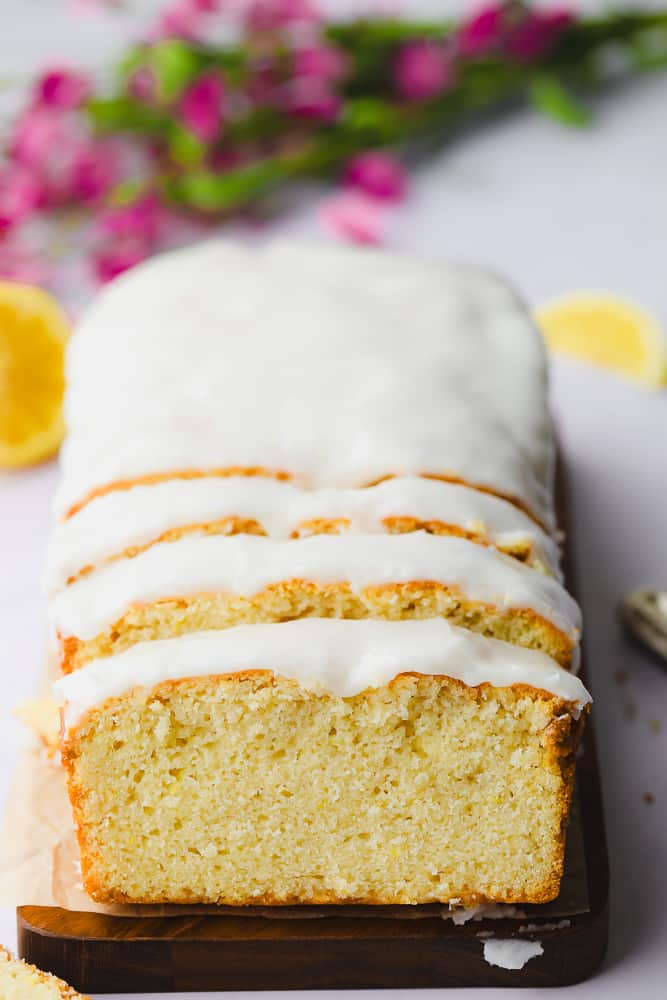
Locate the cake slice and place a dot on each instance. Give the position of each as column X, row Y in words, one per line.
column 20, row 981
column 215, row 582
column 323, row 762
column 122, row 523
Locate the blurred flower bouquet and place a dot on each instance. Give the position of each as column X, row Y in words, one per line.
column 193, row 126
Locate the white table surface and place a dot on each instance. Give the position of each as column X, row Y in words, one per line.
column 554, row 210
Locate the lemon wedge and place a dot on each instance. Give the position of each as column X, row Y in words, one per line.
column 33, row 332
column 608, row 331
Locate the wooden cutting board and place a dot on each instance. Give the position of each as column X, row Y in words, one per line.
column 342, row 947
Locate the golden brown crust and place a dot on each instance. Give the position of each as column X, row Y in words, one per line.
column 481, row 488
column 521, row 549
column 160, row 477
column 544, row 894
column 562, row 738
column 303, row 599
column 223, row 526
column 322, row 526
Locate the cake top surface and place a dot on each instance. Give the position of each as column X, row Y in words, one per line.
column 342, row 657
column 334, row 367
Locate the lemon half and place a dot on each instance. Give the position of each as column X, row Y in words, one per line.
column 33, row 332
column 609, row 331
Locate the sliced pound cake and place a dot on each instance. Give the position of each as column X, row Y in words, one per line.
column 305, row 586
column 122, row 523
column 217, row 581
column 322, row 762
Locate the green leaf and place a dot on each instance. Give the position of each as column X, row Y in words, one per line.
column 126, row 192
column 123, row 114
column 185, row 148
column 649, row 49
column 258, row 123
column 551, row 98
column 233, row 62
column 392, row 31
column 377, row 118
column 134, row 60
column 175, row 65
column 211, row 192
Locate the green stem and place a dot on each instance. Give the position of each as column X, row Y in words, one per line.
column 323, row 152
column 371, row 117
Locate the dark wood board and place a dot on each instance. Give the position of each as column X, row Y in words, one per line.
column 343, row 947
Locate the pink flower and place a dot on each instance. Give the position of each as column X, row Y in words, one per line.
column 484, row 32
column 93, row 171
column 312, row 97
column 533, row 36
column 62, row 88
column 269, row 15
column 422, row 70
column 184, row 19
column 353, row 217
column 140, row 220
column 111, row 262
column 38, row 133
column 17, row 264
column 559, row 18
column 323, row 61
column 201, row 106
column 21, row 194
column 263, row 85
column 142, row 85
column 180, row 19
column 66, row 161
column 378, row 174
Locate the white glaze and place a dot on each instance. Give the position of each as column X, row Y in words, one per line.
column 110, row 524
column 334, row 365
column 246, row 564
column 511, row 953
column 342, row 657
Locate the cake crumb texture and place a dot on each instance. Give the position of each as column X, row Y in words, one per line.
column 20, row 981
column 295, row 599
column 247, row 788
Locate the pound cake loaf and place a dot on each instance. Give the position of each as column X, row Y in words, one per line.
column 305, row 587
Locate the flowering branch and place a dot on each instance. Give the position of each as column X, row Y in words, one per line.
column 212, row 128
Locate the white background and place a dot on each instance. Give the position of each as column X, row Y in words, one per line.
column 554, row 210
